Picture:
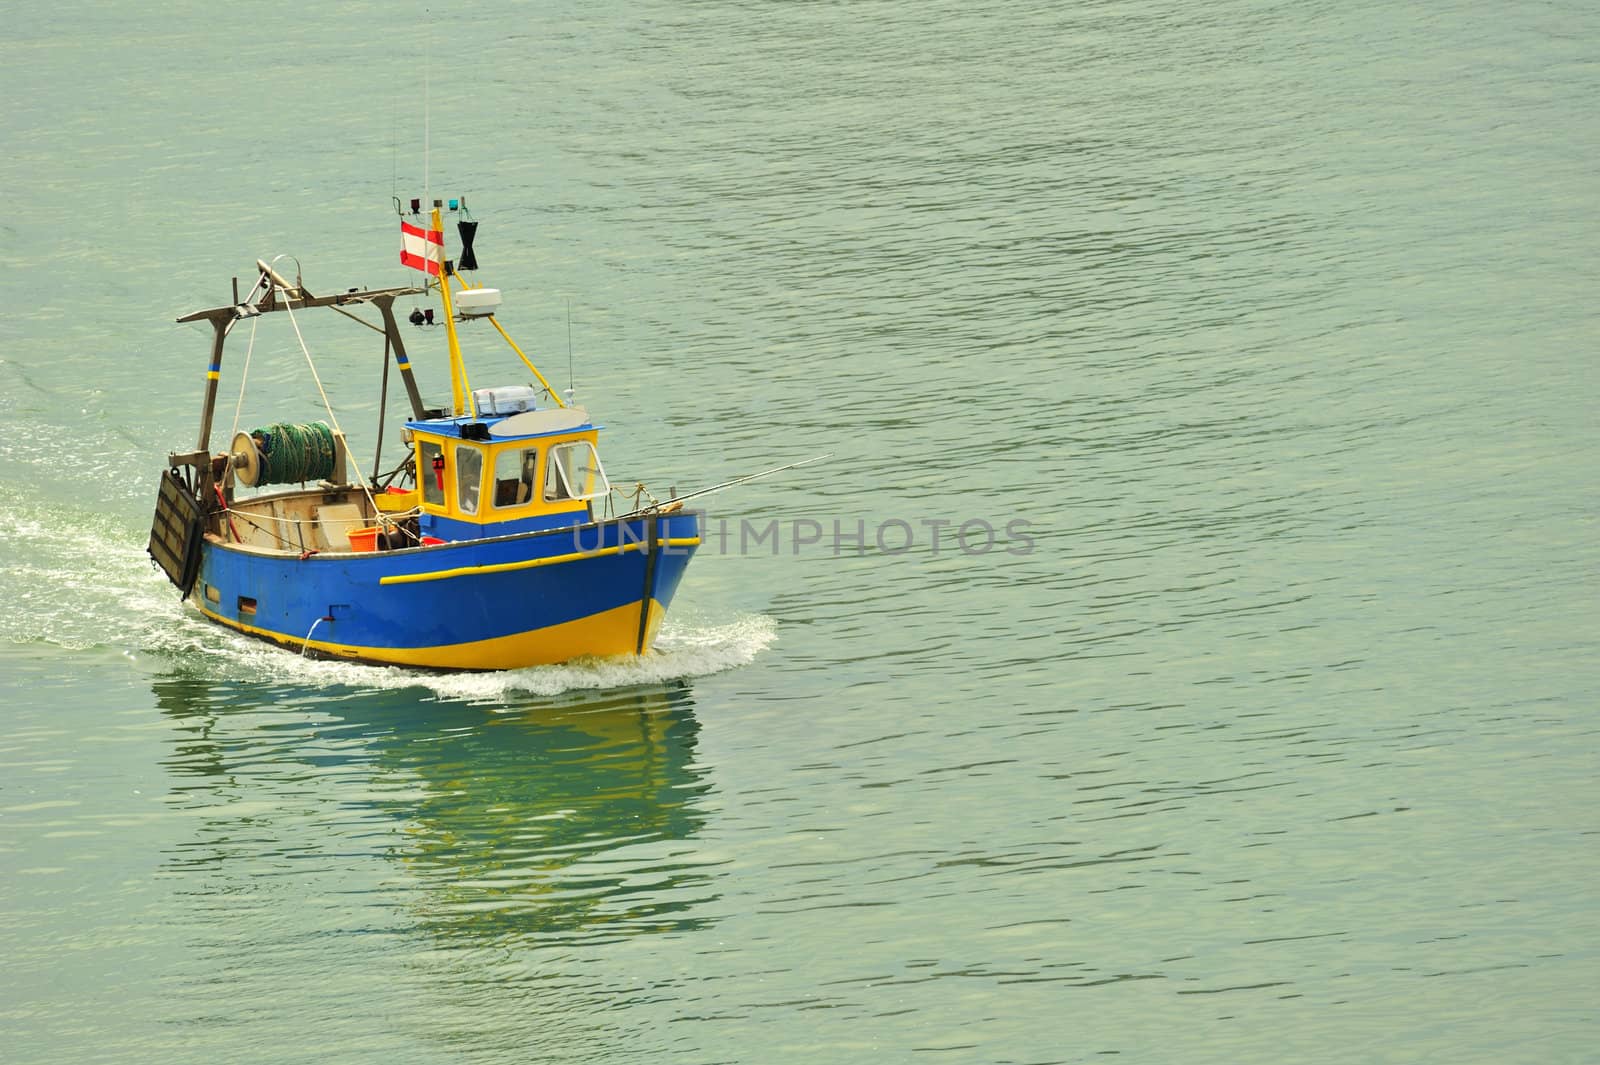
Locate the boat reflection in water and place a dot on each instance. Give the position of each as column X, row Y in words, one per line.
column 561, row 820
column 566, row 819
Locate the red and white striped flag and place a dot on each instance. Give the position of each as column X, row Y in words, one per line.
column 421, row 249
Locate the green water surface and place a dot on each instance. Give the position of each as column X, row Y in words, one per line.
column 1266, row 737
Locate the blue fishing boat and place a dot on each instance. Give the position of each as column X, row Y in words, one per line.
column 497, row 542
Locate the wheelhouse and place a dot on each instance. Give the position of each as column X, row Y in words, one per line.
column 496, row 476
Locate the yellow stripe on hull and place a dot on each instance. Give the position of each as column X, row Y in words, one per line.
column 608, row 633
column 533, row 563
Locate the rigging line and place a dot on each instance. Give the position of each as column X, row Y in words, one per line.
column 334, row 418
column 732, row 483
column 253, row 523
column 243, row 377
column 257, row 521
column 383, row 409
column 358, row 321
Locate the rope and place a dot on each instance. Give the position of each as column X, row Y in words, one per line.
column 292, row 452
column 284, row 519
column 239, row 406
column 360, row 478
column 639, row 492
column 260, row 522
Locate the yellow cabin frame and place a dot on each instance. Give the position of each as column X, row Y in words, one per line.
column 487, row 498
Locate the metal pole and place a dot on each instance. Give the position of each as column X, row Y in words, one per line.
column 219, row 327
column 391, row 330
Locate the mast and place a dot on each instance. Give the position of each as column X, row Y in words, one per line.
column 462, row 402
column 220, row 327
column 460, row 389
column 391, row 330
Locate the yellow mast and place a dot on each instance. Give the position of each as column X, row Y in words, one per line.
column 460, row 388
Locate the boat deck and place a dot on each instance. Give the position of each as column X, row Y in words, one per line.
column 302, row 520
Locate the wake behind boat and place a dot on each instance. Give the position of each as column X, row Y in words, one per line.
column 491, row 546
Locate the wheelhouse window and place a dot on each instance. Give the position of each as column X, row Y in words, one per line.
column 469, row 476
column 515, row 472
column 573, row 472
column 430, row 472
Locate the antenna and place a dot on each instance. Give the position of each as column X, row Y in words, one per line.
column 571, row 384
column 427, row 113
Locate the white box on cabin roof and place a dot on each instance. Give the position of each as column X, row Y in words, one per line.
column 507, row 399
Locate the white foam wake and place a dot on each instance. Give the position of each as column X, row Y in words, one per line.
column 76, row 581
column 686, row 648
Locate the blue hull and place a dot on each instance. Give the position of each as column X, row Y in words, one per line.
column 501, row 603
